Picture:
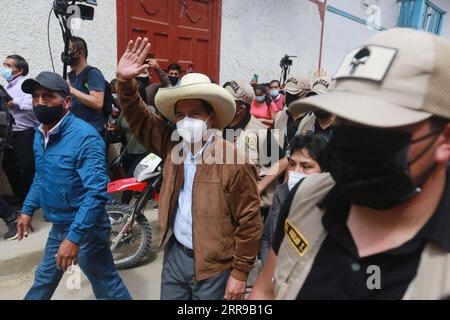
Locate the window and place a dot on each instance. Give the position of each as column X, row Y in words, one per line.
column 421, row 14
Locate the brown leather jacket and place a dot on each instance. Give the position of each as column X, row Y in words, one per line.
column 152, row 89
column 226, row 219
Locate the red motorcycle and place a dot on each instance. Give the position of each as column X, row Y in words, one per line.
column 131, row 233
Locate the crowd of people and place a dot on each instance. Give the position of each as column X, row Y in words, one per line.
column 304, row 185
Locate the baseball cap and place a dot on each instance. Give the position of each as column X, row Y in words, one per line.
column 320, row 86
column 296, row 84
column 49, row 80
column 400, row 77
column 241, row 91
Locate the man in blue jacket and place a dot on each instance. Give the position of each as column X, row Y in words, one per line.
column 70, row 187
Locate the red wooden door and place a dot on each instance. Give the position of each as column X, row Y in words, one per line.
column 182, row 31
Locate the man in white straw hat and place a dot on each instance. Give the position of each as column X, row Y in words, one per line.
column 377, row 227
column 212, row 206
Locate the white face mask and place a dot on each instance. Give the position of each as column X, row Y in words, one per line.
column 294, row 178
column 192, row 130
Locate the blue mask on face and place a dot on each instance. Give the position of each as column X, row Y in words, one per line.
column 274, row 93
column 6, row 73
column 260, row 99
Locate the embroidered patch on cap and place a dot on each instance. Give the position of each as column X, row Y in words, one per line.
column 370, row 62
column 321, row 82
column 235, row 86
column 292, row 80
column 295, row 237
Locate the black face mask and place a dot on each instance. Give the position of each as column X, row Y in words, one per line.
column 74, row 62
column 290, row 98
column 145, row 81
column 48, row 115
column 173, row 80
column 74, row 58
column 371, row 167
column 322, row 114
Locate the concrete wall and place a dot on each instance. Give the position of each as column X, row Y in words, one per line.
column 343, row 34
column 257, row 33
column 24, row 31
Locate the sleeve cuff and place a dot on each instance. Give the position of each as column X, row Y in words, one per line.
column 126, row 87
column 160, row 71
column 74, row 237
column 27, row 212
column 239, row 275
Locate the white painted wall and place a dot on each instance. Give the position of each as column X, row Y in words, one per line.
column 257, row 33
column 24, row 31
column 342, row 34
column 389, row 13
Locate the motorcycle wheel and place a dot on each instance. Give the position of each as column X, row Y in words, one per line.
column 134, row 244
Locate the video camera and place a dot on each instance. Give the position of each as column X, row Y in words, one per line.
column 86, row 12
column 285, row 64
column 65, row 10
column 286, row 61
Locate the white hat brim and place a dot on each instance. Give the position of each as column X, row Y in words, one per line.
column 221, row 101
column 363, row 109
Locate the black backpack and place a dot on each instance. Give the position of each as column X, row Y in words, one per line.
column 6, row 118
column 108, row 101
